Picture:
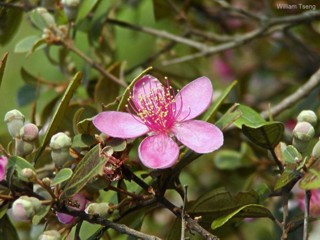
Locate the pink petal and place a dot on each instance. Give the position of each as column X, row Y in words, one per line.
column 194, row 99
column 120, row 124
column 143, row 88
column 65, row 218
column 200, row 136
column 158, row 151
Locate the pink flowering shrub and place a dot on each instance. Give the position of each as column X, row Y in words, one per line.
column 314, row 202
column 157, row 111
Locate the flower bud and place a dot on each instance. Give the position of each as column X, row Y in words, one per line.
column 301, row 146
column 78, row 203
column 3, row 166
column 29, row 132
column 24, row 148
column 316, row 150
column 46, row 17
column 15, row 121
column 100, row 209
column 46, row 181
column 28, row 173
column 60, row 144
column 303, row 131
column 50, row 235
column 70, row 8
column 24, row 208
column 308, row 116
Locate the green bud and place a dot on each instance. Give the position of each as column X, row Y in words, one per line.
column 28, row 173
column 60, row 144
column 24, row 148
column 50, row 235
column 308, row 116
column 70, row 8
column 15, row 121
column 47, row 18
column 303, row 131
column 301, row 146
column 29, row 132
column 46, row 181
column 316, row 150
column 99, row 209
column 24, row 208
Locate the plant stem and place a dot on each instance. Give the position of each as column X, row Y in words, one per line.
column 307, row 196
column 285, row 211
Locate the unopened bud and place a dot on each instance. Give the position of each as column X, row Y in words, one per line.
column 46, row 181
column 24, row 208
column 316, row 150
column 28, row 173
column 15, row 121
column 60, row 144
column 50, row 235
column 303, row 131
column 29, row 132
column 47, row 18
column 70, row 8
column 99, row 209
column 308, row 116
column 24, row 148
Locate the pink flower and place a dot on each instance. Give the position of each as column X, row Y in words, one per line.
column 156, row 110
column 3, row 165
column 78, row 204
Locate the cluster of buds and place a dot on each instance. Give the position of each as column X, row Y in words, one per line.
column 60, row 144
column 25, row 135
column 304, row 131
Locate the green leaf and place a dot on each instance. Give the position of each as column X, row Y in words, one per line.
column 10, row 19
column 59, row 113
column 117, row 144
column 3, row 65
column 90, row 166
column 311, row 180
column 266, row 135
column 85, row 8
column 291, row 154
column 86, row 126
column 251, row 210
column 7, row 229
column 41, row 19
column 228, row 160
column 28, row 77
column 40, row 214
column 26, row 94
column 124, row 98
column 83, row 141
column 62, row 176
column 26, row 44
column 211, row 113
column 106, row 90
column 249, row 117
column 228, row 118
column 286, row 178
column 19, row 163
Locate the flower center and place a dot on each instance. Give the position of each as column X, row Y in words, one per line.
column 156, row 107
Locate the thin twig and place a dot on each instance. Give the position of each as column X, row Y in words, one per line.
column 93, row 64
column 160, row 33
column 289, row 101
column 267, row 26
column 307, row 196
column 285, row 212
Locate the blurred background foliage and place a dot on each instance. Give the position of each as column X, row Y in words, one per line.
column 127, row 36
